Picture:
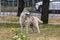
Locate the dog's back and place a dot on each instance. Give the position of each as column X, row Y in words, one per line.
column 34, row 18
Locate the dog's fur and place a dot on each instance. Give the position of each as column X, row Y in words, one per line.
column 29, row 21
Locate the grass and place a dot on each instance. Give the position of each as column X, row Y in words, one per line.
column 47, row 32
column 11, row 9
column 16, row 19
column 9, row 25
column 54, row 20
column 18, row 25
column 9, row 18
column 7, row 8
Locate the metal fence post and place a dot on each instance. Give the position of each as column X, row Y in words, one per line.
column 0, row 6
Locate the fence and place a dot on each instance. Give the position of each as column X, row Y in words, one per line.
column 10, row 8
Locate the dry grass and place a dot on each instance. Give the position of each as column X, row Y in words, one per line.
column 54, row 20
column 14, row 19
column 5, row 34
column 9, row 18
column 46, row 34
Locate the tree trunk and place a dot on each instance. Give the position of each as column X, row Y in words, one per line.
column 45, row 11
column 20, row 6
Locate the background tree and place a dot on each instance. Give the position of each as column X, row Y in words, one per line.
column 20, row 6
column 45, row 11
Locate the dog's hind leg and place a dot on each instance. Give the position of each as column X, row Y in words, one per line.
column 31, row 26
column 32, row 29
column 27, row 24
column 36, row 25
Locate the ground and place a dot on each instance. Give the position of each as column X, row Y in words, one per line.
column 47, row 33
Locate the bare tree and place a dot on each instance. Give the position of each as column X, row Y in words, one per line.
column 20, row 6
column 45, row 11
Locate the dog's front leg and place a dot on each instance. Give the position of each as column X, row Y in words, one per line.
column 27, row 24
column 22, row 29
column 27, row 29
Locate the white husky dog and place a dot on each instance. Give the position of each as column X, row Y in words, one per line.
column 26, row 19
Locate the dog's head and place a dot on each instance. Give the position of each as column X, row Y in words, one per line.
column 27, row 14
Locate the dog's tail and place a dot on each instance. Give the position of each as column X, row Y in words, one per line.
column 40, row 21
